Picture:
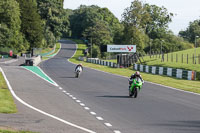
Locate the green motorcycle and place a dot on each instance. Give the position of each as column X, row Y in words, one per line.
column 135, row 86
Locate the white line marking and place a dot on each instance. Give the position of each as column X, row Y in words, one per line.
column 93, row 113
column 78, row 101
column 108, row 124
column 71, row 95
column 74, row 98
column 64, row 91
column 68, row 93
column 60, row 88
column 100, row 118
column 86, row 108
column 82, row 104
column 116, row 131
column 42, row 112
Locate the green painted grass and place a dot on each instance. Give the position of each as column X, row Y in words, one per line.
column 193, row 86
column 37, row 71
column 7, row 104
column 58, row 46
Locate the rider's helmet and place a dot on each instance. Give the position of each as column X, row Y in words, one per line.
column 137, row 73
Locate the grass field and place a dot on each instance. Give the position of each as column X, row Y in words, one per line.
column 176, row 60
column 7, row 104
column 193, row 86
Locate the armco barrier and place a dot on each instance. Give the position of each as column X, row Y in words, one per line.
column 101, row 62
column 172, row 72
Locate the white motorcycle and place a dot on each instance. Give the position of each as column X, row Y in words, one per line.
column 78, row 72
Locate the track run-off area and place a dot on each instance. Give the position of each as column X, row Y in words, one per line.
column 95, row 102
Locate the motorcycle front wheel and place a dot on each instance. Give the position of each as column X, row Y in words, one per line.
column 130, row 92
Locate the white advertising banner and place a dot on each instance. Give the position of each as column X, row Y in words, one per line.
column 121, row 48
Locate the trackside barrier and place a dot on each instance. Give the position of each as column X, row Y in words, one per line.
column 101, row 62
column 172, row 72
column 33, row 61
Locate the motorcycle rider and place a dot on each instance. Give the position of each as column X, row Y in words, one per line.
column 133, row 76
column 79, row 65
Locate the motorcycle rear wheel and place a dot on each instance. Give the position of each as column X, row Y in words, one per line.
column 135, row 92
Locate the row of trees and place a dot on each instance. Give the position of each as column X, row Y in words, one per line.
column 142, row 24
column 40, row 23
column 32, row 23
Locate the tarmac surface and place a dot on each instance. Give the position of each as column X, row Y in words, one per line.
column 84, row 101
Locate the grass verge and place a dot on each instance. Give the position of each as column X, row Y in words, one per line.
column 7, row 104
column 176, row 60
column 193, row 86
column 13, row 131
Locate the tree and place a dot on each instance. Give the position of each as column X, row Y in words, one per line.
column 159, row 20
column 99, row 34
column 10, row 24
column 192, row 31
column 31, row 25
column 55, row 18
column 135, row 19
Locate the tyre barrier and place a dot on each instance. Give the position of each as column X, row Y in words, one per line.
column 171, row 72
column 101, row 62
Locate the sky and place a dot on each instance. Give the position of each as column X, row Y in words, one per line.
column 185, row 10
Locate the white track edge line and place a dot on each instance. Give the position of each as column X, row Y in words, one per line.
column 40, row 111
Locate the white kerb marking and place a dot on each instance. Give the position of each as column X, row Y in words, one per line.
column 40, row 111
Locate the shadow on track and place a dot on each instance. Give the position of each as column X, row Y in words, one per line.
column 181, row 126
column 108, row 96
column 68, row 77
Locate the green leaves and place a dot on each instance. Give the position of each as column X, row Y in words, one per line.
column 31, row 23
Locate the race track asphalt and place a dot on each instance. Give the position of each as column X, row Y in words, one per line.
column 157, row 109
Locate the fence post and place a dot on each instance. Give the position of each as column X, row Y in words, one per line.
column 182, row 58
column 171, row 57
column 193, row 58
column 176, row 58
column 167, row 57
column 199, row 58
column 163, row 58
column 187, row 58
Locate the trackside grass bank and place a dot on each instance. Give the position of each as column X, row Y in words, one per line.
column 192, row 86
column 7, row 104
column 181, row 59
column 13, row 131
